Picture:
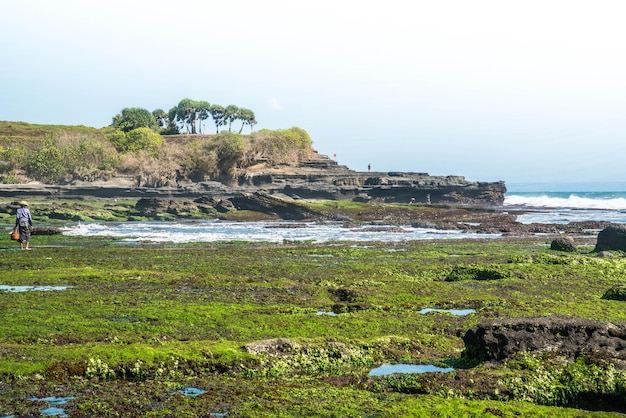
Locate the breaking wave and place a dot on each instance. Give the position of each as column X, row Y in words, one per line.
column 607, row 201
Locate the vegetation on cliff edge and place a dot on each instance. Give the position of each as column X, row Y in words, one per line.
column 61, row 154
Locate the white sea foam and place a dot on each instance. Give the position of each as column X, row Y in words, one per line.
column 214, row 231
column 539, row 207
column 571, row 201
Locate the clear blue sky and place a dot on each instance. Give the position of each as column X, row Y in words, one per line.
column 490, row 90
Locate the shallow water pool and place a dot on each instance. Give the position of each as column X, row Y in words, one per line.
column 455, row 312
column 16, row 289
column 387, row 369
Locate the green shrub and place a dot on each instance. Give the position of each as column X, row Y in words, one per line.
column 47, row 164
column 199, row 161
column 140, row 139
column 229, row 150
column 280, row 146
column 11, row 179
column 90, row 159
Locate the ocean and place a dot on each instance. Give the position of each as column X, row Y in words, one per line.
column 534, row 203
column 568, row 202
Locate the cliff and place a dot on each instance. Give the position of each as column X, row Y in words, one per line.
column 317, row 178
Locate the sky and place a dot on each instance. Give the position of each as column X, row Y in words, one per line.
column 519, row 91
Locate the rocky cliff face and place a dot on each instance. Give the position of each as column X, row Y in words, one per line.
column 323, row 178
column 317, row 178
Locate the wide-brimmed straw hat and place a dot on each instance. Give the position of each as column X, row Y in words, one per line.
column 22, row 203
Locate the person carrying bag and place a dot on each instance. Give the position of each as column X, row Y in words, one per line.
column 23, row 225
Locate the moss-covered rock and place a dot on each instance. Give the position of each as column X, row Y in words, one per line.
column 617, row 292
column 459, row 273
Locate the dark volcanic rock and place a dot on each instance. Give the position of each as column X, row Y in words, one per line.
column 568, row 336
column 613, row 237
column 224, row 206
column 345, row 295
column 264, row 203
column 565, row 243
column 153, row 206
column 44, row 230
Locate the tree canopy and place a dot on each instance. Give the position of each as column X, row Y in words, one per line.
column 135, row 117
column 188, row 116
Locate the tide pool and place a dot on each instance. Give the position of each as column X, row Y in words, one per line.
column 387, row 369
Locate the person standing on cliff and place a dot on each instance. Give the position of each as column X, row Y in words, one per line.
column 24, row 223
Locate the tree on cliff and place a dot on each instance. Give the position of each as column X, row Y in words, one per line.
column 186, row 112
column 161, row 117
column 247, row 118
column 188, row 116
column 134, row 117
column 203, row 111
column 218, row 114
column 231, row 114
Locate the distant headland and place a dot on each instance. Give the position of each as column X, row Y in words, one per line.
column 72, row 161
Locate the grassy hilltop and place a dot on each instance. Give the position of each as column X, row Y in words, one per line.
column 55, row 154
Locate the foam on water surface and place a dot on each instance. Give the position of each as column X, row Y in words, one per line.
column 220, row 231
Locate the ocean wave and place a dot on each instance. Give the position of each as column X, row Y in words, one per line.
column 210, row 231
column 572, row 201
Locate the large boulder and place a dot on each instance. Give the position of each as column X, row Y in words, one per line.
column 564, row 243
column 151, row 206
column 264, row 203
column 565, row 335
column 613, row 237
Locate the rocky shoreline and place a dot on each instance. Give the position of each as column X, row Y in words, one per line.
column 288, row 193
column 51, row 212
column 317, row 178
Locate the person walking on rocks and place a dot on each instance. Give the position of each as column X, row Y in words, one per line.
column 24, row 223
